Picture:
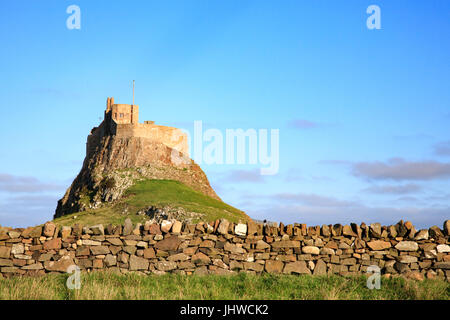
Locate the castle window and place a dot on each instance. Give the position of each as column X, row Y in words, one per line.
column 121, row 115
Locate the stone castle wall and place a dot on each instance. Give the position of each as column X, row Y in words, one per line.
column 122, row 121
column 169, row 136
column 222, row 247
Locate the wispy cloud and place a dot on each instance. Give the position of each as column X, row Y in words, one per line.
column 313, row 200
column 394, row 189
column 399, row 169
column 303, row 124
column 244, row 176
column 442, row 148
column 27, row 210
column 295, row 175
column 20, row 184
column 335, row 162
column 414, row 137
column 57, row 93
column 318, row 209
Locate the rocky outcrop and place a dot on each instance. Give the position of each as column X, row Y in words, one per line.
column 114, row 163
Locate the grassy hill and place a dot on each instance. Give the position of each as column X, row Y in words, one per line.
column 157, row 193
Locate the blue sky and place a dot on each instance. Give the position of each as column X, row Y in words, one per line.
column 363, row 114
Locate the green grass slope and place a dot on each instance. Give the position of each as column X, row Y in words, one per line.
column 108, row 286
column 155, row 193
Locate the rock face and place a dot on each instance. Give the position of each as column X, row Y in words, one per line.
column 139, row 153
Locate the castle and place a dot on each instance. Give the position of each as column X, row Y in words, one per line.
column 121, row 142
column 122, row 121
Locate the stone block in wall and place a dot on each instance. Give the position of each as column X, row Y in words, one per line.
column 298, row 267
column 34, row 266
column 392, row 231
column 97, row 263
column 304, row 257
column 447, row 227
column 5, row 252
column 49, row 229
column 401, row 267
column 378, row 245
column 84, row 263
column 401, row 229
column 149, row 253
column 168, row 244
column 129, row 249
column 201, row 271
column 406, row 259
column 53, row 244
column 178, row 257
column 77, row 230
column 262, row 256
column 138, row 263
column 99, row 250
column 88, row 242
column 442, row 265
column 161, row 254
column 6, row 263
column 36, row 232
column 97, row 229
column 115, row 241
column 17, row 248
column 165, row 226
column 422, row 235
column 234, row 248
column 336, row 230
column 348, row 231
column 285, row 244
column 375, row 230
column 407, row 246
column 236, row 265
column 435, row 232
column 209, row 227
column 200, row 259
column 127, row 227
column 325, row 231
column 343, row 245
column 327, row 251
column 59, row 266
column 176, row 227
column 287, row 258
column 165, row 265
column 253, row 266
column 311, row 250
column 320, row 268
column 207, row 244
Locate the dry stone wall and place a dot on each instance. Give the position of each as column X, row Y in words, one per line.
column 222, row 247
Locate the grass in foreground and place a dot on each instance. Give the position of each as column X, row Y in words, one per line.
column 157, row 193
column 107, row 286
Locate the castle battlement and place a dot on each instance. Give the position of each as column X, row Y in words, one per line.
column 122, row 120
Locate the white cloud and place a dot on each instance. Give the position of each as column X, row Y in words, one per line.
column 394, row 189
column 400, row 169
column 442, row 148
column 19, row 184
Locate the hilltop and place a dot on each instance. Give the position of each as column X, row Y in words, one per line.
column 136, row 169
column 157, row 200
